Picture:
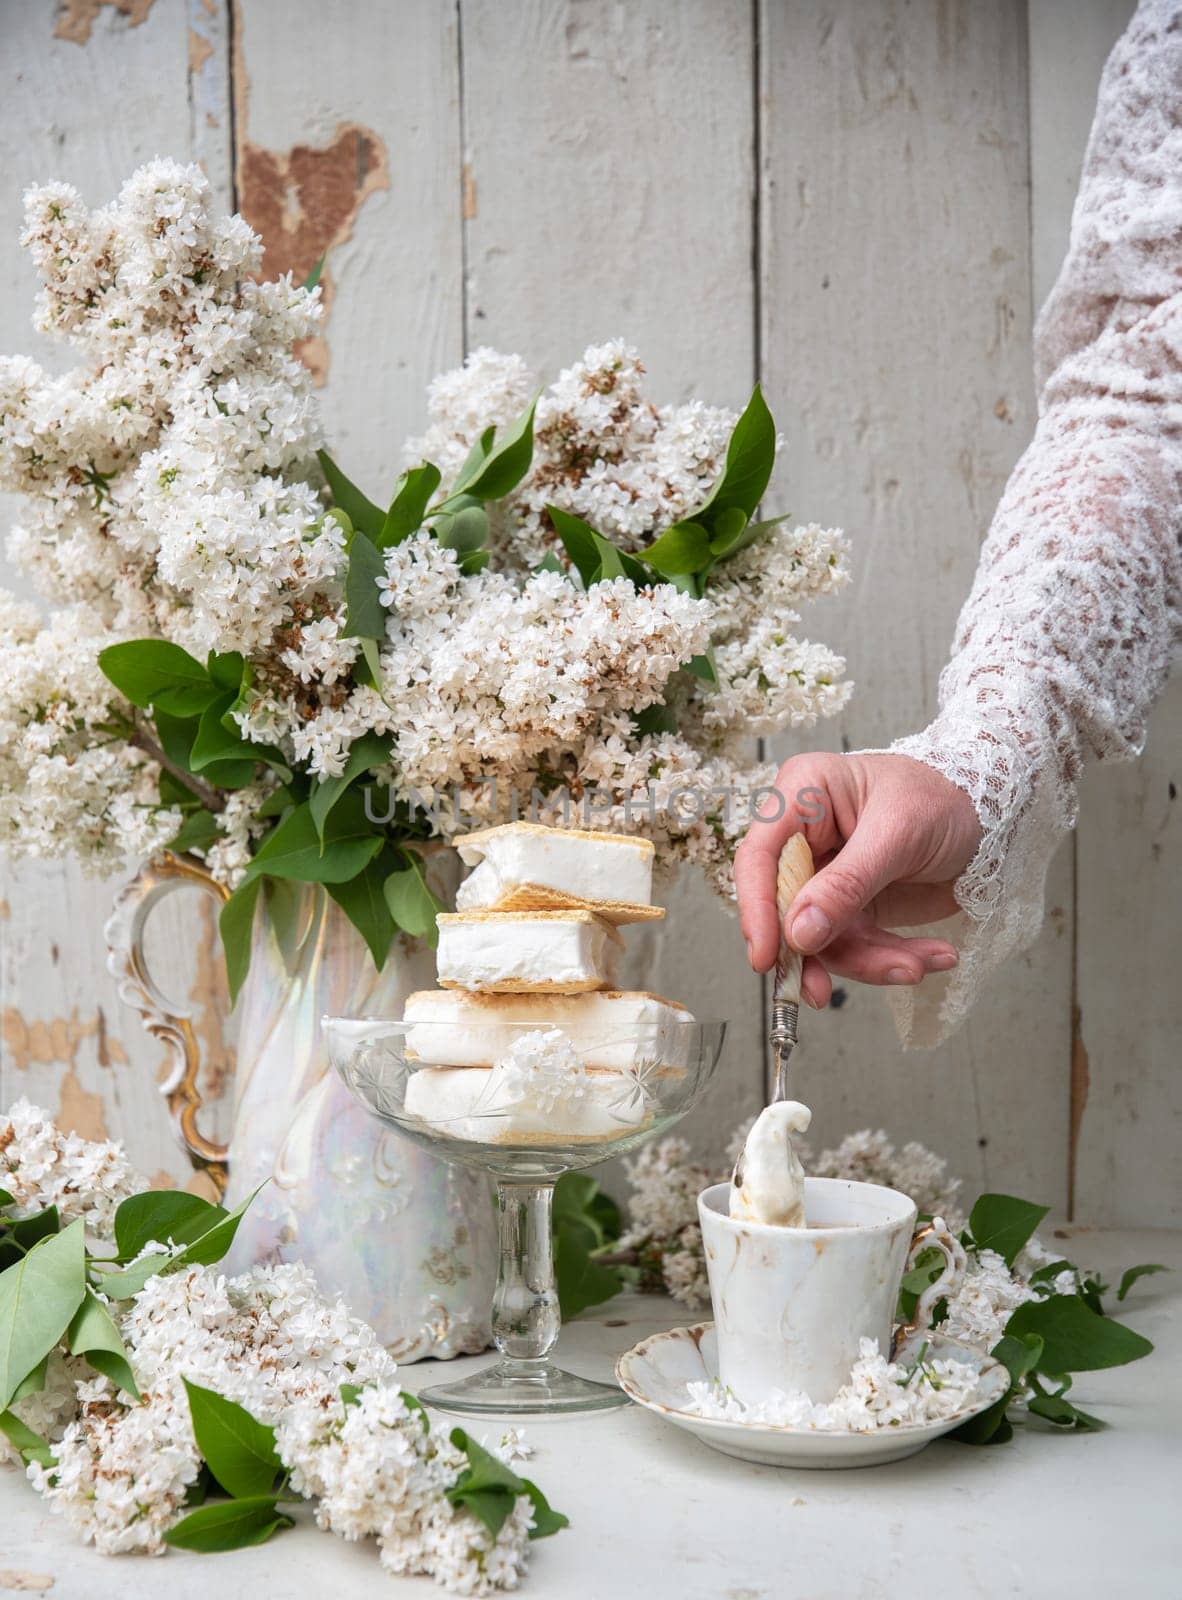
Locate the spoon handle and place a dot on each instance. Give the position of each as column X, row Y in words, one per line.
column 793, row 871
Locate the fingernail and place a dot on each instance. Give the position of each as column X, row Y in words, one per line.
column 811, row 929
column 943, row 963
column 900, row 975
column 750, row 954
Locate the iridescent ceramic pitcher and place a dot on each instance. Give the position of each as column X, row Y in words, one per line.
column 408, row 1240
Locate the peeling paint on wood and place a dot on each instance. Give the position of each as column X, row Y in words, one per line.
column 200, row 50
column 76, row 18
column 78, row 1111
column 304, row 202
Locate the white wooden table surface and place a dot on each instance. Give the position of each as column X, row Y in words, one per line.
column 657, row 1515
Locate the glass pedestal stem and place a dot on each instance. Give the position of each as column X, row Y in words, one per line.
column 525, row 1315
column 526, row 1321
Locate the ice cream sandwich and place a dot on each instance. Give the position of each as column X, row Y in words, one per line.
column 523, row 866
column 607, row 1028
column 485, row 1104
column 526, row 952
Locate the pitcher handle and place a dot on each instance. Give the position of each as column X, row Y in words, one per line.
column 937, row 1235
column 163, row 1018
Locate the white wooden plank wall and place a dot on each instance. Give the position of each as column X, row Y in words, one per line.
column 861, row 203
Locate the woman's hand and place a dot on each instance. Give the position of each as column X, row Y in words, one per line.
column 890, row 836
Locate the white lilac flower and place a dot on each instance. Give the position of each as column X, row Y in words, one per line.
column 40, row 1166
column 878, row 1394
column 269, row 1340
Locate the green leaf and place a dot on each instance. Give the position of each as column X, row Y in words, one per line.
column 214, row 740
column 38, row 1297
column 236, row 926
column 547, row 1521
column 750, row 457
column 371, row 750
column 359, row 509
column 363, row 600
column 1054, row 1408
column 505, row 463
column 229, row 1524
column 683, row 547
column 584, row 1221
column 363, row 901
column 593, row 557
column 29, row 1445
column 350, row 1394
column 33, row 1382
column 18, row 1235
column 197, row 832
column 409, row 505
column 168, row 1216
column 550, row 563
column 472, row 463
column 93, row 1334
column 728, row 529
column 1075, row 1338
column 1019, row 1356
column 723, row 547
column 411, row 902
column 238, row 1449
column 1130, row 1277
column 295, row 848
column 703, row 667
column 413, row 1403
column 1003, row 1223
column 228, row 670
column 486, row 1487
column 655, row 719
column 465, row 530
column 212, row 1245
column 313, row 277
column 6, row 1199
column 154, row 672
column 202, row 1251
column 177, row 737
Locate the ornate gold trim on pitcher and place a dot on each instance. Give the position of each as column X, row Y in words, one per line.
column 162, row 1018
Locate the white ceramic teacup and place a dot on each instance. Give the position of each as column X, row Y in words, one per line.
column 791, row 1304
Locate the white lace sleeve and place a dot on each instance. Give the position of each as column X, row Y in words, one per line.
column 1067, row 635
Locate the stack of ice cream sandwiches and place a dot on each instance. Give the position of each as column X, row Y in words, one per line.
column 527, row 1037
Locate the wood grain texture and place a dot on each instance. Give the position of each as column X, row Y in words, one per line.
column 64, row 1039
column 348, row 140
column 1126, row 1094
column 609, row 158
column 896, row 349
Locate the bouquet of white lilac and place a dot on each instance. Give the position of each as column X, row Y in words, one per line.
column 565, row 601
column 155, row 1403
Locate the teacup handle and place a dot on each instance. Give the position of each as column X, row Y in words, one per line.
column 166, row 1020
column 931, row 1235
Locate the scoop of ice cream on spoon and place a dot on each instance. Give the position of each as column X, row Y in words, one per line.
column 768, row 1183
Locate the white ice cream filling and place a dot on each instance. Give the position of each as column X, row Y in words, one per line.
column 539, row 1088
column 551, row 951
column 772, row 1187
column 615, row 1030
column 551, row 858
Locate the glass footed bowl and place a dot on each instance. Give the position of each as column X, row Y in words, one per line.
column 524, row 1103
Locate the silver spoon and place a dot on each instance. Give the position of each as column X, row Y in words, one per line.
column 793, row 871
